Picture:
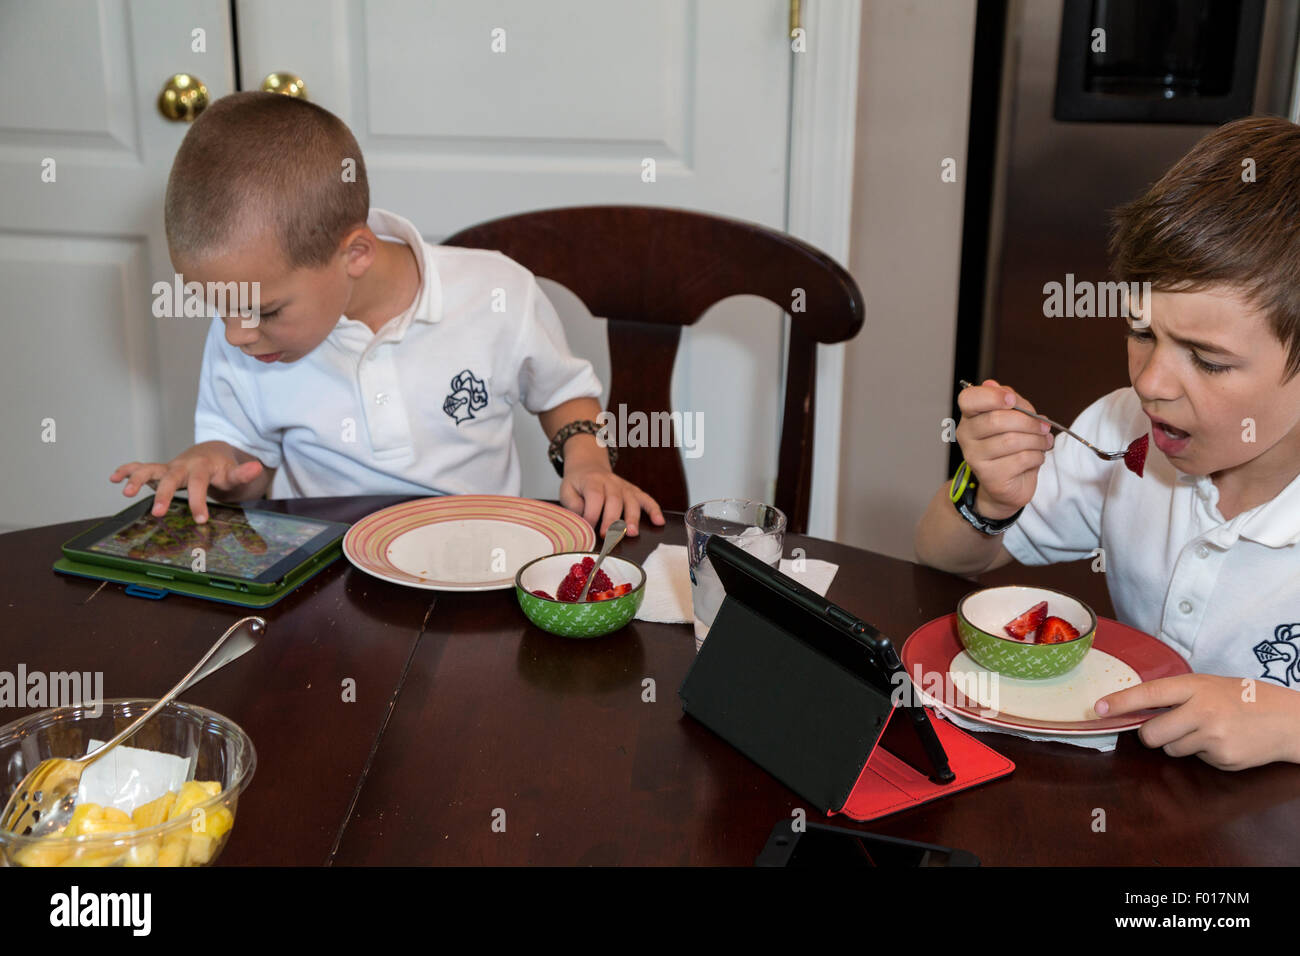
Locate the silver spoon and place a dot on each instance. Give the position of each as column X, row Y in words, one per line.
column 45, row 798
column 1103, row 455
column 612, row 537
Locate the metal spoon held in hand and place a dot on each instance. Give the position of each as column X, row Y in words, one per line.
column 612, row 537
column 45, row 798
column 1103, row 455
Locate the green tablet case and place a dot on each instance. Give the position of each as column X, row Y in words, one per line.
column 145, row 585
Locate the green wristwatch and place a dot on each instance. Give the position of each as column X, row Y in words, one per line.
column 962, row 492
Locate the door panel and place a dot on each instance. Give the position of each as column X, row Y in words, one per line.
column 79, row 254
column 585, row 90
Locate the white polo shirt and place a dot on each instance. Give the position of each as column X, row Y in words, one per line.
column 1224, row 594
column 425, row 406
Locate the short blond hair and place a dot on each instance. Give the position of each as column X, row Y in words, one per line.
column 257, row 160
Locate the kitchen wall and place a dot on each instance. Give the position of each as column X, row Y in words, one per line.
column 913, row 106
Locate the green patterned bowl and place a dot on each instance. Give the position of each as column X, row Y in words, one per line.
column 590, row 618
column 981, row 616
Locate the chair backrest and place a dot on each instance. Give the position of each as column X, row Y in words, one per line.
column 650, row 271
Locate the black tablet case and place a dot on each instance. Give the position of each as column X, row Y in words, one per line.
column 810, row 701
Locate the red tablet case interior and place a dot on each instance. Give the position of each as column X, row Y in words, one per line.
column 887, row 784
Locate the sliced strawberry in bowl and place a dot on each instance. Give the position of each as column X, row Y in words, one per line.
column 607, row 606
column 1057, row 630
column 1051, row 650
column 1023, row 627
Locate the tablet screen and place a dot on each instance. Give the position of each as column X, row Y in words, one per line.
column 236, row 543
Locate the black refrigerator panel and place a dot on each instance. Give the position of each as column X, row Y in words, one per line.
column 1158, row 61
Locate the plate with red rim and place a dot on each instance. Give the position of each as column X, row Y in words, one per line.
column 462, row 542
column 930, row 649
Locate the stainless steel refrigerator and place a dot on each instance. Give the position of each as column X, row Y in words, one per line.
column 1061, row 133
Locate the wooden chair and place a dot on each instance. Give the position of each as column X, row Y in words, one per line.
column 650, row 271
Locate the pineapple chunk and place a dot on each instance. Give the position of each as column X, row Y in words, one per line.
column 41, row 855
column 116, row 815
column 105, row 825
column 191, row 794
column 155, row 811
column 143, row 854
column 200, row 849
column 220, row 821
column 82, row 813
column 173, row 850
column 84, row 856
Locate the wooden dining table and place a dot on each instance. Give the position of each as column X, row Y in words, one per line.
column 475, row 738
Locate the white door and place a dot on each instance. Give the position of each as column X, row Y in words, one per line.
column 468, row 111
column 465, row 111
column 88, row 377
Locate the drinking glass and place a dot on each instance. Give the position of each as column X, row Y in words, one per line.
column 750, row 525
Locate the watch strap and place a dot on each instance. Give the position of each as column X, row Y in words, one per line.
column 962, row 492
column 555, row 451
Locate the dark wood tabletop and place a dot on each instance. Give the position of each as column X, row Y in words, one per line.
column 465, row 715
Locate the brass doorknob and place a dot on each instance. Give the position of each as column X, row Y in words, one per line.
column 290, row 84
column 183, row 98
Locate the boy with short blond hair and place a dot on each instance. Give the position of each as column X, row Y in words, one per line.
column 374, row 363
column 1202, row 550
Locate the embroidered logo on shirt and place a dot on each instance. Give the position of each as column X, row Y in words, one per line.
column 1280, row 657
column 468, row 395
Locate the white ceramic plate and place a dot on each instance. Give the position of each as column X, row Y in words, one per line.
column 462, row 542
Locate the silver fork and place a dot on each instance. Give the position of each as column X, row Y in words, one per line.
column 1103, row 455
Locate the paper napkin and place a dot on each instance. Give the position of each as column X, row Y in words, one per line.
column 130, row 777
column 1101, row 742
column 668, row 583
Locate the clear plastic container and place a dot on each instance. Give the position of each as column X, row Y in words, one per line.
column 216, row 747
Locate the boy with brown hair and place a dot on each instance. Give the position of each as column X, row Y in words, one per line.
column 1203, row 550
column 376, row 363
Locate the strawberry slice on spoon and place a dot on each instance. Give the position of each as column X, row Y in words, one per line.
column 1135, row 456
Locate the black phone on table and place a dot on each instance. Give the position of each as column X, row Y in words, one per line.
column 816, row 845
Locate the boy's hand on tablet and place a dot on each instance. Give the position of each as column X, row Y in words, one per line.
column 602, row 497
column 211, row 464
column 1003, row 447
column 1230, row 723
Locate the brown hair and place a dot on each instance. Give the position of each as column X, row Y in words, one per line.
column 265, row 160
column 1205, row 223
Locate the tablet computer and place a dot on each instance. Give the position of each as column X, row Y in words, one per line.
column 851, row 642
column 764, row 603
column 237, row 549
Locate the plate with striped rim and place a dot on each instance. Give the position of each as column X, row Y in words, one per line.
column 462, row 542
